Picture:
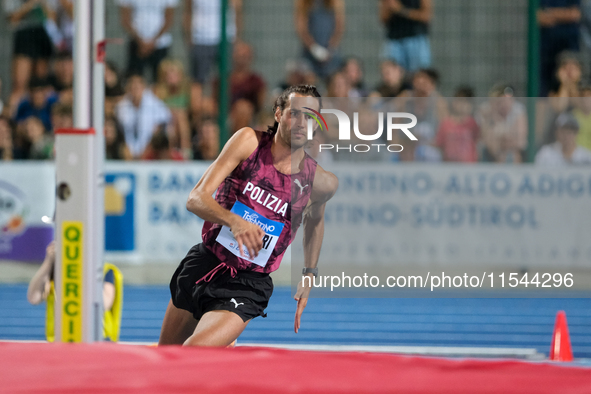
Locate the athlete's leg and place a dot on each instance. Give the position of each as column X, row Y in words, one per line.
column 178, row 325
column 217, row 328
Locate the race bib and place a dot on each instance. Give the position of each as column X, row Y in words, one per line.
column 271, row 228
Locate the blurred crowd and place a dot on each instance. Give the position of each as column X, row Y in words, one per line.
column 159, row 108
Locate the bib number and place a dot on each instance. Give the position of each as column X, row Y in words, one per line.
column 271, row 228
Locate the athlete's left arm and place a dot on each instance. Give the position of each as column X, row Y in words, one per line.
column 324, row 187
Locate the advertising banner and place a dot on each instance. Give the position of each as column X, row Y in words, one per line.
column 27, row 194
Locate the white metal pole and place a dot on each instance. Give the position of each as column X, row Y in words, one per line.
column 98, row 118
column 79, row 222
column 83, row 60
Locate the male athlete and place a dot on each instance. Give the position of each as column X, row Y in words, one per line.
column 266, row 185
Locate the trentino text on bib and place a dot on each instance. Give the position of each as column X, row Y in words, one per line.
column 271, row 228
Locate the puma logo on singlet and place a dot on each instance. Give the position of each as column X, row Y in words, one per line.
column 236, row 303
column 266, row 199
column 302, row 188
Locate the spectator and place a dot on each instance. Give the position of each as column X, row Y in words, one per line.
column 415, row 152
column 566, row 88
column 338, row 89
column 426, row 103
column 407, row 32
column 41, row 143
column 583, row 114
column 458, row 133
column 160, row 149
column 247, row 88
column 148, row 23
column 173, row 89
column 115, row 146
column 392, row 81
column 565, row 150
column 563, row 95
column 298, row 72
column 313, row 149
column 65, row 22
column 38, row 104
column 503, row 122
column 5, row 139
column 20, row 142
column 140, row 113
column 338, row 86
column 113, row 88
column 207, row 141
column 32, row 47
column 61, row 117
column 61, row 28
column 201, row 26
column 559, row 29
column 62, row 79
column 320, row 24
column 41, row 288
column 353, row 71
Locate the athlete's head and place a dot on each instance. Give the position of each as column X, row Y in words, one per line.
column 291, row 123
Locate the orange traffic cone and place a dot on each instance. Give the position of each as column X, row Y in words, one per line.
column 560, row 350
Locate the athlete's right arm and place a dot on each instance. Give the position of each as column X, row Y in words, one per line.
column 202, row 204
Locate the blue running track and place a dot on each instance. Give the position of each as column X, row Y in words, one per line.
column 488, row 322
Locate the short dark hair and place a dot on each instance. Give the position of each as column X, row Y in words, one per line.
column 304, row 90
column 36, row 82
column 464, row 91
column 61, row 109
column 391, row 62
column 63, row 55
column 431, row 73
column 160, row 141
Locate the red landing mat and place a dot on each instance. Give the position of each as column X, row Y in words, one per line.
column 112, row 368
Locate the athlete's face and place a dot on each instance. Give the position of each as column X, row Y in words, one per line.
column 293, row 121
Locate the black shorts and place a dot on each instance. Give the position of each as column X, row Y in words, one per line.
column 247, row 294
column 33, row 42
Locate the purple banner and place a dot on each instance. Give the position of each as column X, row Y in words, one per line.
column 28, row 246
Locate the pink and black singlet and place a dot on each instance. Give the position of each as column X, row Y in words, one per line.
column 260, row 194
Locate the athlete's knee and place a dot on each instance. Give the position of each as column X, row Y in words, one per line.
column 177, row 326
column 203, row 339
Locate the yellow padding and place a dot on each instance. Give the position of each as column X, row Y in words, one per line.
column 111, row 318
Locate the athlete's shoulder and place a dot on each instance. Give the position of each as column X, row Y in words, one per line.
column 243, row 143
column 325, row 185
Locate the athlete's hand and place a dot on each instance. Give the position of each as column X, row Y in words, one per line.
column 301, row 297
column 249, row 235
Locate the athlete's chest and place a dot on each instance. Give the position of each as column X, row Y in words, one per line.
column 271, row 197
column 274, row 194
